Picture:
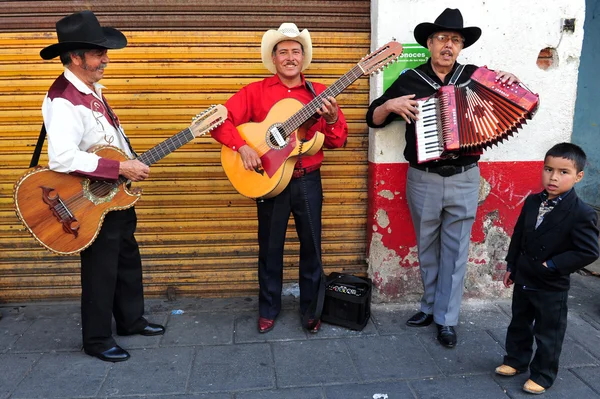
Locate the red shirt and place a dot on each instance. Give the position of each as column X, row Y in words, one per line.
column 254, row 101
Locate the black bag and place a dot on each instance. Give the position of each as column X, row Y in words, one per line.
column 347, row 301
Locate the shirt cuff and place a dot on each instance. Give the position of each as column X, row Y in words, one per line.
column 550, row 264
column 236, row 144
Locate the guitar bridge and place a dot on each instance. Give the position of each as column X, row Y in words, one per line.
column 60, row 211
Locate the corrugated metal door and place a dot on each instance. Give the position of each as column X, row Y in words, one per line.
column 197, row 235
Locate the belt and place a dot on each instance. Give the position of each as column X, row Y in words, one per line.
column 445, row 170
column 299, row 172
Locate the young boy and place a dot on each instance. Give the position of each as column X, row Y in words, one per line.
column 555, row 235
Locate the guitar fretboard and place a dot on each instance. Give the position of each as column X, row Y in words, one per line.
column 306, row 112
column 163, row 149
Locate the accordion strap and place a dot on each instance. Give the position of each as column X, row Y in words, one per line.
column 457, row 72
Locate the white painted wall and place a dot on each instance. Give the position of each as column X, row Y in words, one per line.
column 514, row 32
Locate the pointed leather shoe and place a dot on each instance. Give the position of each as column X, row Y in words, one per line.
column 114, row 354
column 152, row 329
column 315, row 327
column 446, row 336
column 265, row 325
column 148, row 331
column 420, row 320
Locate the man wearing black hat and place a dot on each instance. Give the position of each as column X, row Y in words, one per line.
column 442, row 195
column 77, row 118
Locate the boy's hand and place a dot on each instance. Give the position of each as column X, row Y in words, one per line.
column 507, row 281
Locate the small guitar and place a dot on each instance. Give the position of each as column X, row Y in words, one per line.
column 64, row 213
column 276, row 139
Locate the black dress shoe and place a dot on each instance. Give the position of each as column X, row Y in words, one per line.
column 150, row 330
column 420, row 320
column 114, row 354
column 446, row 336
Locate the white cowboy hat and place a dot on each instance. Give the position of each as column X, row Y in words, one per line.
column 287, row 31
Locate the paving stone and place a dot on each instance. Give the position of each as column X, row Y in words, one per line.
column 160, row 371
column 46, row 335
column 469, row 387
column 293, row 393
column 391, row 357
column 59, row 375
column 334, row 331
column 377, row 390
column 288, row 327
column 186, row 396
column 584, row 333
column 572, row 355
column 306, row 363
column 475, row 352
column 11, row 329
column 590, row 375
column 13, row 368
column 567, row 385
column 483, row 317
column 199, row 329
column 232, row 368
column 391, row 320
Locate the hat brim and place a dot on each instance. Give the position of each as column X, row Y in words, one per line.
column 113, row 39
column 272, row 37
column 426, row 29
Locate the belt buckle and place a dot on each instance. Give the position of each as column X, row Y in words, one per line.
column 446, row 170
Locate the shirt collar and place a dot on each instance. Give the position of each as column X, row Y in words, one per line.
column 429, row 70
column 82, row 87
column 554, row 201
column 275, row 80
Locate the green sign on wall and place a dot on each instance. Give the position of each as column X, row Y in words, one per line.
column 413, row 55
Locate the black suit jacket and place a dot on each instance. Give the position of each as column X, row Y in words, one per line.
column 568, row 236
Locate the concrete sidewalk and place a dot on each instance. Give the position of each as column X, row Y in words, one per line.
column 213, row 350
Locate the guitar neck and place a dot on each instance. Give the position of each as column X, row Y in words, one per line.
column 306, row 112
column 163, row 149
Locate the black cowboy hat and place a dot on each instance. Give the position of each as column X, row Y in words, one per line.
column 81, row 31
column 449, row 20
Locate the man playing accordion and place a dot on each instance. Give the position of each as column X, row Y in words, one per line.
column 442, row 194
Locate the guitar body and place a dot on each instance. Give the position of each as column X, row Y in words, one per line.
column 277, row 161
column 64, row 212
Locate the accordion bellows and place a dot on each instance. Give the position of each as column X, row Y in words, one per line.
column 470, row 117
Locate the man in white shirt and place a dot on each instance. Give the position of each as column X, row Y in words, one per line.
column 77, row 117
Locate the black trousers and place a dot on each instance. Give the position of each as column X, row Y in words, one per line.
column 543, row 315
column 111, row 282
column 273, row 217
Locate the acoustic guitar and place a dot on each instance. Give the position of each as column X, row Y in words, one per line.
column 64, row 213
column 277, row 139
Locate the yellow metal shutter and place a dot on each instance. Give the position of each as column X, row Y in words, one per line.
column 197, row 235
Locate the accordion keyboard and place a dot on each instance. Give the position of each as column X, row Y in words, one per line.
column 429, row 140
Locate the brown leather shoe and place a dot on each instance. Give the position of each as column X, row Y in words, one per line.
column 265, row 325
column 534, row 388
column 506, row 370
column 315, row 328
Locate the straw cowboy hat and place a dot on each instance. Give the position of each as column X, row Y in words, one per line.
column 82, row 31
column 287, row 31
column 449, row 20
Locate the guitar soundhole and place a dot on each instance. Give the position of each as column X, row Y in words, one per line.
column 276, row 137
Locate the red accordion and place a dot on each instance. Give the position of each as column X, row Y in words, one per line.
column 467, row 118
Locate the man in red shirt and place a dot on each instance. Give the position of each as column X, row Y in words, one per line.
column 285, row 52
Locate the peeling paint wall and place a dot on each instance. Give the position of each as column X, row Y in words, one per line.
column 514, row 33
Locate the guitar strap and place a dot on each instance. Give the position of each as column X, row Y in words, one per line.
column 38, row 147
column 457, row 72
column 35, row 158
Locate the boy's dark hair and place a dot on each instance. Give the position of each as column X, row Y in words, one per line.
column 568, row 151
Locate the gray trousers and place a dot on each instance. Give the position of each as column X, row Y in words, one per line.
column 443, row 211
